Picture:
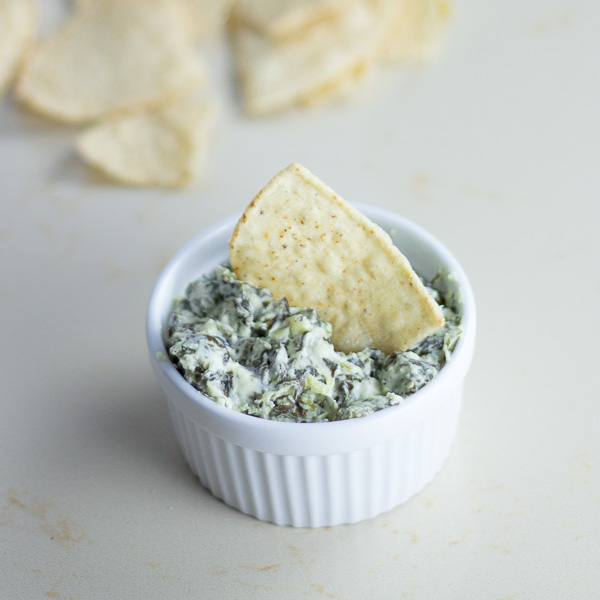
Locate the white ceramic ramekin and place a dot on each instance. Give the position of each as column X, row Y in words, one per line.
column 313, row 474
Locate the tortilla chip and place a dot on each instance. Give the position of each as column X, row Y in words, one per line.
column 280, row 19
column 208, row 17
column 165, row 147
column 301, row 241
column 414, row 29
column 111, row 55
column 18, row 20
column 340, row 89
column 275, row 76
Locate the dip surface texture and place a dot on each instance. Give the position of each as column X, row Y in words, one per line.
column 249, row 352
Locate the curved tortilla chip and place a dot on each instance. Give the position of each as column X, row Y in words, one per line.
column 18, row 19
column 301, row 241
column 111, row 55
column 165, row 147
column 275, row 76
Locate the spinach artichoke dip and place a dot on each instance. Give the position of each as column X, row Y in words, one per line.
column 251, row 353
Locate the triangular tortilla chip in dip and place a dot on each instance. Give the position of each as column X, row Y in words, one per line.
column 18, row 19
column 301, row 241
column 275, row 76
column 165, row 147
column 112, row 55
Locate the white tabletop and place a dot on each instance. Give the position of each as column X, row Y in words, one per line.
column 495, row 148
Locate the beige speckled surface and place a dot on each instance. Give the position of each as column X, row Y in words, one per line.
column 494, row 148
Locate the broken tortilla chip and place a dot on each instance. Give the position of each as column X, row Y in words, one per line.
column 18, row 20
column 164, row 147
column 112, row 55
column 301, row 241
